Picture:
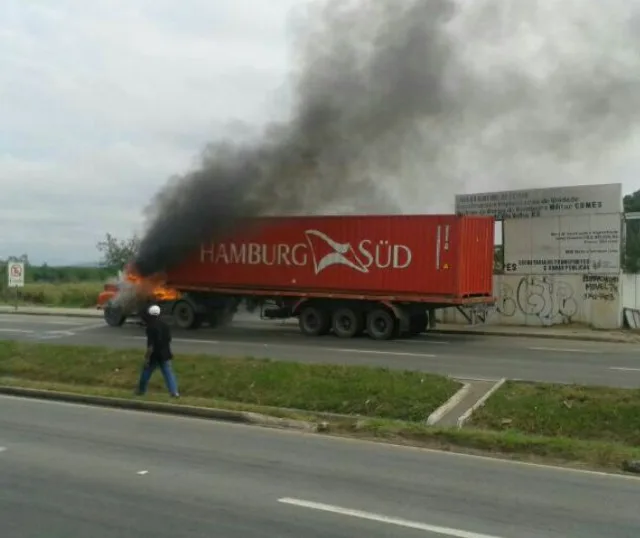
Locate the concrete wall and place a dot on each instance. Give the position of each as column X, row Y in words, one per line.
column 536, row 300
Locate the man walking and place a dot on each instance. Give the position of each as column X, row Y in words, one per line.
column 158, row 353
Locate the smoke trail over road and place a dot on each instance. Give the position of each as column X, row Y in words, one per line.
column 398, row 105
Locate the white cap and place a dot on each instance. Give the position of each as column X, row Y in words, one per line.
column 154, row 310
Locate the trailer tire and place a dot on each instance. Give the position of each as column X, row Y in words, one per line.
column 185, row 316
column 314, row 321
column 382, row 324
column 114, row 316
column 347, row 323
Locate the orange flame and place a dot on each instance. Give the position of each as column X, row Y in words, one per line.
column 152, row 286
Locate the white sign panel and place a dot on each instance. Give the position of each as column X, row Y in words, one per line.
column 15, row 271
column 561, row 245
column 534, row 203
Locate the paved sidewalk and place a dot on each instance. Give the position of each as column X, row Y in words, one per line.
column 555, row 332
column 51, row 311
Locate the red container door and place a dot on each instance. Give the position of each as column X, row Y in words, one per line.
column 476, row 256
column 445, row 254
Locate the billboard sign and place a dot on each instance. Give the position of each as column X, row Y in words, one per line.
column 546, row 202
column 562, row 245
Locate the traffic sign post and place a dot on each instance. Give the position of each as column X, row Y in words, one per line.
column 15, row 274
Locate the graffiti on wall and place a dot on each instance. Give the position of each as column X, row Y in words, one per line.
column 548, row 300
column 551, row 300
column 601, row 287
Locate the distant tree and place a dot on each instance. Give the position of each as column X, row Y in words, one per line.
column 498, row 259
column 24, row 258
column 631, row 254
column 117, row 252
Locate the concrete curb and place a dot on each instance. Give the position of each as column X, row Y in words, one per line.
column 439, row 413
column 467, row 414
column 226, row 415
column 523, row 334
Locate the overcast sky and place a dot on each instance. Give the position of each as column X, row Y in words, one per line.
column 102, row 100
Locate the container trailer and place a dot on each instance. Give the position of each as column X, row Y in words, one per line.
column 383, row 275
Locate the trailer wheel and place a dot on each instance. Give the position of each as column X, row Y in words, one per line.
column 185, row 316
column 381, row 324
column 113, row 316
column 347, row 323
column 314, row 321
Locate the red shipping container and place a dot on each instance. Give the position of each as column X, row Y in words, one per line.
column 445, row 256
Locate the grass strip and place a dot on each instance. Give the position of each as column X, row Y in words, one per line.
column 594, row 455
column 69, row 294
column 576, row 453
column 352, row 390
column 563, row 411
column 590, row 427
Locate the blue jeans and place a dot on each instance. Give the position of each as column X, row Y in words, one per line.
column 167, row 373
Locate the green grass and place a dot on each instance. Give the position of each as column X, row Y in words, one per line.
column 591, row 427
column 371, row 392
column 512, row 445
column 588, row 413
column 77, row 294
column 602, row 455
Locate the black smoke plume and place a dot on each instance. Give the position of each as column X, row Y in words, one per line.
column 368, row 72
column 401, row 104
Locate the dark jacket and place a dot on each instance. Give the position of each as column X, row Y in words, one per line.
column 159, row 341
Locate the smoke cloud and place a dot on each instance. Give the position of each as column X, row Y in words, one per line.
column 400, row 105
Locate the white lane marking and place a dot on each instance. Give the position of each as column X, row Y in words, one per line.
column 564, row 349
column 622, row 369
column 488, row 460
column 318, row 349
column 481, row 379
column 30, row 321
column 377, row 352
column 72, row 330
column 142, row 472
column 22, row 331
column 425, row 342
column 87, row 327
column 186, row 340
column 445, row 531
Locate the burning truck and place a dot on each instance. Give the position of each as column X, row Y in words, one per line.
column 380, row 275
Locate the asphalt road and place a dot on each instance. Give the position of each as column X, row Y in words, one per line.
column 69, row 471
column 464, row 356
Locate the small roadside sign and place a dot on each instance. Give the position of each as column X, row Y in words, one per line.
column 15, row 272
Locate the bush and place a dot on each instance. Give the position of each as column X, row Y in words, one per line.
column 78, row 294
